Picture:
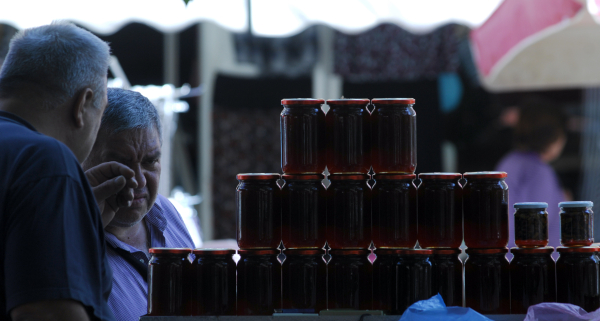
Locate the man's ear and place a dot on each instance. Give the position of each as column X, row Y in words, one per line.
column 83, row 101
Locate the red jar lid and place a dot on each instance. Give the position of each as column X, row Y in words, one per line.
column 578, row 249
column 446, row 251
column 257, row 176
column 487, row 251
column 532, row 250
column 393, row 101
column 259, row 252
column 404, row 251
column 339, row 102
column 213, row 251
column 304, row 252
column 302, row 101
column 302, row 177
column 394, row 176
column 352, row 177
column 485, row 175
column 440, row 175
column 169, row 250
column 350, row 252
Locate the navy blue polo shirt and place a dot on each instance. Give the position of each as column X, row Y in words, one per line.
column 51, row 238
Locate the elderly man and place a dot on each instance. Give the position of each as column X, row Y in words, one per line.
column 52, row 96
column 130, row 134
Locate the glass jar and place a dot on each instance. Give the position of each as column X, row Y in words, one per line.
column 531, row 224
column 213, row 282
column 394, row 211
column 303, row 212
column 394, row 136
column 440, row 210
column 304, row 281
column 485, row 201
column 447, row 276
column 413, row 277
column 350, row 277
column 168, row 284
column 487, row 284
column 576, row 223
column 303, row 140
column 348, row 136
column 578, row 277
column 258, row 282
column 349, row 212
column 384, row 281
column 532, row 273
column 258, row 200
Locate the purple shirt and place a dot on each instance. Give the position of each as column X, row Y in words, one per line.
column 531, row 180
column 129, row 297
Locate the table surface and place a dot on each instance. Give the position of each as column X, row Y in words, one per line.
column 495, row 317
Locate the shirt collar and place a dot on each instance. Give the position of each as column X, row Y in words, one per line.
column 14, row 118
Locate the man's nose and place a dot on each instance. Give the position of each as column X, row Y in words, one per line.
column 139, row 176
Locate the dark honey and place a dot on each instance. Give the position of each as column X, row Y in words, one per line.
column 384, row 281
column 485, row 201
column 440, row 210
column 394, row 210
column 258, row 282
column 348, row 136
column 303, row 142
column 576, row 223
column 394, row 136
column 487, row 284
column 258, row 200
column 304, row 281
column 304, row 215
column 413, row 278
column 532, row 277
column 168, row 286
column 447, row 276
column 531, row 224
column 350, row 278
column 213, row 282
column 577, row 277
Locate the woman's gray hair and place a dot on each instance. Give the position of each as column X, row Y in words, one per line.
column 58, row 60
column 127, row 110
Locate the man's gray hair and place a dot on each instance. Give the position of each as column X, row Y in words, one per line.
column 58, row 60
column 127, row 110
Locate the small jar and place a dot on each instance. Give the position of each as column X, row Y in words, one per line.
column 578, row 277
column 394, row 211
column 485, row 201
column 304, row 275
column 440, row 210
column 348, row 136
column 350, row 277
column 349, row 212
column 303, row 212
column 168, row 284
column 258, row 282
column 487, row 284
column 447, row 276
column 532, row 273
column 413, row 275
column 394, row 136
column 531, row 224
column 384, row 281
column 576, row 223
column 213, row 282
column 258, row 200
column 302, row 128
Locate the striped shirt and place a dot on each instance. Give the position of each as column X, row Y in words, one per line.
column 129, row 297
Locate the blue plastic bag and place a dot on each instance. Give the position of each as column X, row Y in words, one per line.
column 435, row 309
column 559, row 312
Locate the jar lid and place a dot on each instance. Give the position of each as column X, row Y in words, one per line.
column 302, row 101
column 532, row 250
column 258, row 252
column 352, row 177
column 393, row 101
column 303, row 177
column 527, row 205
column 170, row 250
column 404, row 251
column 304, row 252
column 485, row 175
column 213, row 251
column 446, row 251
column 338, row 102
column 394, row 176
column 440, row 175
column 576, row 204
column 487, row 251
column 257, row 176
column 351, row 252
column 578, row 249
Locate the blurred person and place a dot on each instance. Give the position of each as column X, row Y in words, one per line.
column 540, row 136
column 52, row 96
column 130, row 134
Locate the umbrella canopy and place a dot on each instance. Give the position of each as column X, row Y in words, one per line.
column 539, row 44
